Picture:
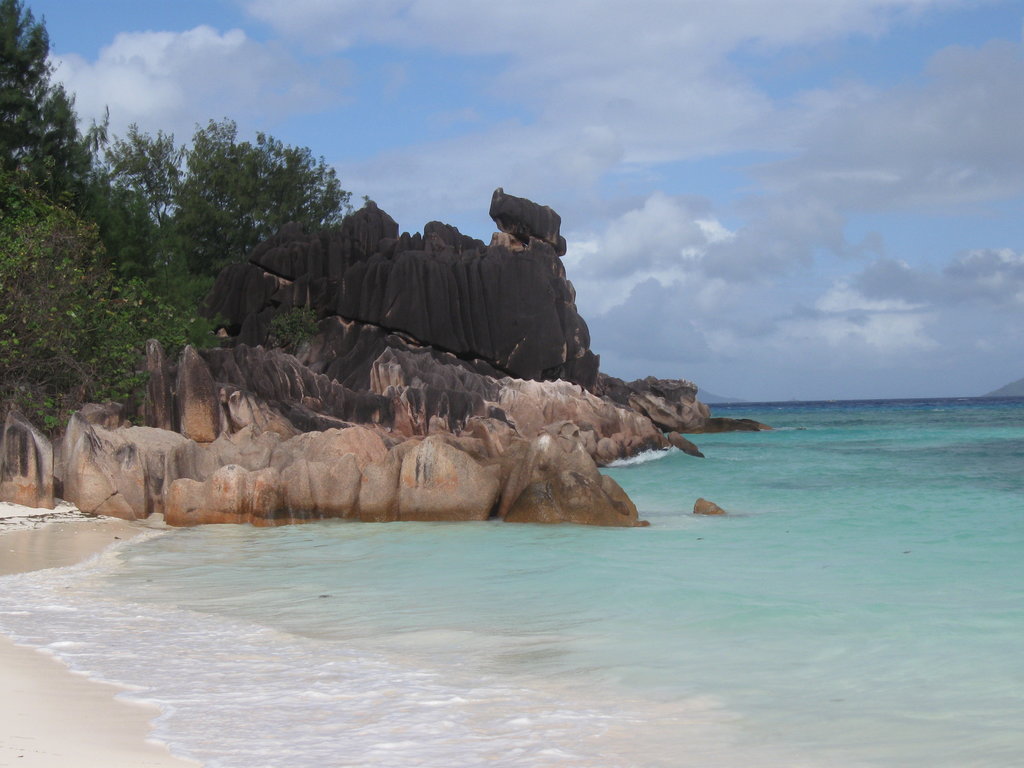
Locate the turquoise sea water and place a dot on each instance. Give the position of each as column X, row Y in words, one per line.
column 861, row 605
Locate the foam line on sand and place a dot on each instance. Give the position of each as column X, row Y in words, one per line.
column 51, row 717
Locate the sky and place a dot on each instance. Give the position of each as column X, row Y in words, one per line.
column 777, row 199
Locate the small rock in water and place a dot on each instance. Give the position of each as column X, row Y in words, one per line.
column 705, row 507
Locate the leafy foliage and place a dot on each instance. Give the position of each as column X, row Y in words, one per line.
column 38, row 125
column 207, row 205
column 104, row 244
column 293, row 328
column 70, row 332
column 235, row 194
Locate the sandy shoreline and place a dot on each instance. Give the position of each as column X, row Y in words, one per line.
column 51, row 717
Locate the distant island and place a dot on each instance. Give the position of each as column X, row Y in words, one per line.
column 712, row 399
column 1013, row 389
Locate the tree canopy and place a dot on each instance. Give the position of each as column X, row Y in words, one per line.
column 105, row 243
column 235, row 193
column 38, row 126
column 70, row 331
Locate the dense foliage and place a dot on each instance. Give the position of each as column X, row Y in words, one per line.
column 38, row 126
column 105, row 242
column 212, row 202
column 234, row 194
column 293, row 328
column 70, row 331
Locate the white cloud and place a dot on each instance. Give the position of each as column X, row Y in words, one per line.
column 664, row 240
column 988, row 277
column 172, row 80
column 947, row 140
column 876, row 333
column 601, row 87
column 842, row 298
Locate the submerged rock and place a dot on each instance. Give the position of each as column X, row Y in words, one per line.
column 684, row 445
column 704, row 507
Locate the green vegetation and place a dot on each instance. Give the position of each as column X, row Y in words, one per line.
column 209, row 204
column 293, row 328
column 38, row 126
column 234, row 194
column 106, row 242
column 70, row 331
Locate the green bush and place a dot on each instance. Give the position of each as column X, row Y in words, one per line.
column 293, row 328
column 71, row 332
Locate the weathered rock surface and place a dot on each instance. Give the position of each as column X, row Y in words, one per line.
column 671, row 404
column 198, row 406
column 159, row 408
column 447, row 380
column 684, row 445
column 704, row 507
column 26, row 464
column 510, row 307
column 552, row 479
column 437, row 481
column 724, row 424
column 525, row 220
column 117, row 472
column 233, row 494
column 351, row 472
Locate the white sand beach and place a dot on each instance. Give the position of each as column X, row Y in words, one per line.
column 51, row 717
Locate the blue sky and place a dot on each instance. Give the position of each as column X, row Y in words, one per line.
column 774, row 198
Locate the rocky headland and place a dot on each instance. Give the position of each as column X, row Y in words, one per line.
column 447, row 379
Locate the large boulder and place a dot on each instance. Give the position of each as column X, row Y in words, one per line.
column 378, row 491
column 198, row 398
column 684, row 445
column 363, row 444
column 671, row 404
column 524, row 219
column 438, row 481
column 233, row 494
column 158, row 409
column 508, row 304
column 552, row 479
column 26, row 464
column 117, row 472
column 572, row 497
column 608, row 430
column 321, row 489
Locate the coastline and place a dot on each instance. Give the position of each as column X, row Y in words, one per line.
column 51, row 717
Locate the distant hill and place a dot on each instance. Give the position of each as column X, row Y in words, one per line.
column 712, row 399
column 1014, row 389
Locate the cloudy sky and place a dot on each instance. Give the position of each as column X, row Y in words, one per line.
column 778, row 199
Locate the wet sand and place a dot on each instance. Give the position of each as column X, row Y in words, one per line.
column 51, row 717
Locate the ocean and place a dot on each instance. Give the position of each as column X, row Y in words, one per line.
column 862, row 604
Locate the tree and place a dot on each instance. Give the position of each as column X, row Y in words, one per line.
column 38, row 125
column 235, row 194
column 143, row 177
column 150, row 166
column 70, row 331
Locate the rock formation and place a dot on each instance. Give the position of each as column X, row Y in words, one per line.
column 671, row 404
column 704, row 507
column 507, row 304
column 447, row 380
column 26, row 464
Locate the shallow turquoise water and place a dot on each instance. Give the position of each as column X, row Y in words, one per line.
column 861, row 605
